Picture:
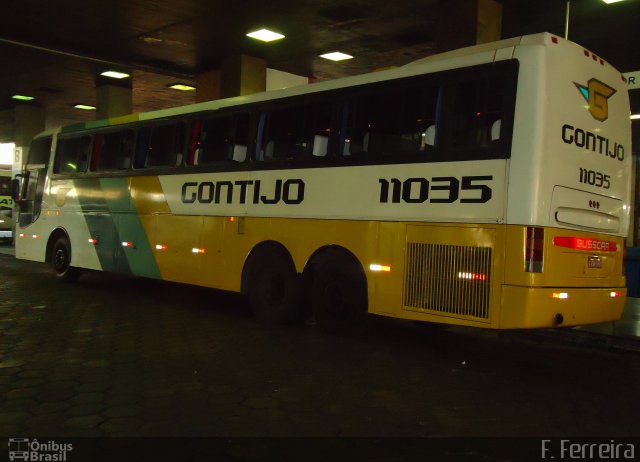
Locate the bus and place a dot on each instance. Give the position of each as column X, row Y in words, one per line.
column 488, row 186
column 6, row 206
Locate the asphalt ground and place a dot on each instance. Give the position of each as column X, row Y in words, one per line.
column 115, row 356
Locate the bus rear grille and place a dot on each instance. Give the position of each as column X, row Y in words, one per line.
column 448, row 279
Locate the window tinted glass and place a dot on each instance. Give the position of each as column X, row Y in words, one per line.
column 40, row 151
column 219, row 139
column 112, row 151
column 5, row 185
column 374, row 124
column 160, row 146
column 296, row 132
column 72, row 154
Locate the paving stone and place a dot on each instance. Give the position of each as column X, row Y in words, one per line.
column 19, row 393
column 85, row 409
column 121, row 425
column 11, row 363
column 13, row 418
column 123, row 411
column 51, row 408
column 83, row 422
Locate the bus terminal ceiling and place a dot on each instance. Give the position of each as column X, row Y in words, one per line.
column 164, row 43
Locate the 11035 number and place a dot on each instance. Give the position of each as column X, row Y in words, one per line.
column 593, row 178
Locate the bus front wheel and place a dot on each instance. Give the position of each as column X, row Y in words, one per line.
column 338, row 292
column 61, row 260
column 274, row 287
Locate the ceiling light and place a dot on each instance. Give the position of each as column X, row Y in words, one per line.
column 336, row 56
column 265, row 35
column 182, row 87
column 23, row 97
column 85, row 107
column 115, row 74
column 635, row 116
column 611, row 1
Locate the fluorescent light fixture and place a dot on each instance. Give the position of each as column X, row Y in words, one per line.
column 115, row 74
column 265, row 35
column 85, row 107
column 23, row 97
column 336, row 56
column 611, row 1
column 635, row 116
column 182, row 87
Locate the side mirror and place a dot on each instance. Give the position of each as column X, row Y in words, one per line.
column 16, row 186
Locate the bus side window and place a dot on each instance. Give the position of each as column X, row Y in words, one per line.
column 222, row 139
column 164, row 145
column 72, row 154
column 373, row 127
column 113, row 151
column 477, row 107
column 419, row 118
column 283, row 135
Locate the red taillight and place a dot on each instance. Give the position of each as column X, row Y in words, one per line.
column 581, row 243
column 534, row 250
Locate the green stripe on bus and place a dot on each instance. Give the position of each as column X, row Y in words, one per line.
column 139, row 255
column 101, row 225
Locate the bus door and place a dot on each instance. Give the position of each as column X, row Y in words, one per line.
column 29, row 200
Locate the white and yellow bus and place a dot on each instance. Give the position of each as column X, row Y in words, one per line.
column 6, row 206
column 488, row 186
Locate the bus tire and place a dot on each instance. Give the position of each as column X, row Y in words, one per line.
column 274, row 287
column 61, row 260
column 338, row 292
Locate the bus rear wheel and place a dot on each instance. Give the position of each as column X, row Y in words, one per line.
column 61, row 260
column 274, row 287
column 338, row 293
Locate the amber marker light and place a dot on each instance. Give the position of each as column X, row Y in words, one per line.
column 560, row 295
column 380, row 268
column 196, row 250
column 161, row 247
column 93, row 241
column 35, row 236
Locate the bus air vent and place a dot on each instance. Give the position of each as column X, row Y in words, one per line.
column 448, row 279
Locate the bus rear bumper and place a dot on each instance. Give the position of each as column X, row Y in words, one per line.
column 531, row 307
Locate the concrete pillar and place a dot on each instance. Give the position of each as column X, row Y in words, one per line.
column 238, row 75
column 208, row 85
column 243, row 75
column 113, row 101
column 469, row 22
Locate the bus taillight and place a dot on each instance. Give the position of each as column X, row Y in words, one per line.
column 534, row 250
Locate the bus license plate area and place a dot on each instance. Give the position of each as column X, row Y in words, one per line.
column 594, row 262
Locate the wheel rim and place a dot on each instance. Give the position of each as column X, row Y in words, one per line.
column 60, row 260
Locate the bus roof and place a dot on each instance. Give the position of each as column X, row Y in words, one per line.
column 477, row 54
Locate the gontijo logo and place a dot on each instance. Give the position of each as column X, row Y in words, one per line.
column 597, row 94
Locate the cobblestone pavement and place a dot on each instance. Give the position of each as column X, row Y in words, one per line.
column 118, row 356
